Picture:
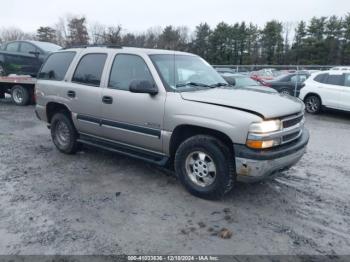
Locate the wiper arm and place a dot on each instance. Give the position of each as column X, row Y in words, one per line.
column 192, row 84
column 219, row 84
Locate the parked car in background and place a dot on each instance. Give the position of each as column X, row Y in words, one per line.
column 244, row 81
column 341, row 68
column 286, row 84
column 262, row 75
column 330, row 89
column 24, row 57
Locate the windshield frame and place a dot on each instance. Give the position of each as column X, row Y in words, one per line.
column 186, row 88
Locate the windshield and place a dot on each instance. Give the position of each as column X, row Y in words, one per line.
column 48, row 47
column 181, row 72
column 245, row 81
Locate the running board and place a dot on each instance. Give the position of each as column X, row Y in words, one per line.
column 124, row 149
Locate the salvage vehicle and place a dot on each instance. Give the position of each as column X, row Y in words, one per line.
column 327, row 89
column 289, row 84
column 172, row 109
column 20, row 62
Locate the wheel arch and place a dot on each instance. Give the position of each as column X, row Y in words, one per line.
column 185, row 131
column 54, row 107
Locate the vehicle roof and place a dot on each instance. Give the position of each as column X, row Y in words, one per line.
column 133, row 50
column 27, row 41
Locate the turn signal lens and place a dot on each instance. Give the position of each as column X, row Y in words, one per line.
column 259, row 144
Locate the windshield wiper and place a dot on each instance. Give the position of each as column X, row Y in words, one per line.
column 192, row 84
column 219, row 84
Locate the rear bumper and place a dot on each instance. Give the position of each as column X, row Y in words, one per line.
column 254, row 165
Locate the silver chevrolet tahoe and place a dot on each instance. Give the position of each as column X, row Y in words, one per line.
column 172, row 109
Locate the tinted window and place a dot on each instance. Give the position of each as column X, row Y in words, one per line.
column 12, row 47
column 320, row 78
column 335, row 80
column 26, row 48
column 56, row 66
column 347, row 80
column 127, row 68
column 89, row 69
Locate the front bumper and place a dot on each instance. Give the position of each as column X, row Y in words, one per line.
column 255, row 165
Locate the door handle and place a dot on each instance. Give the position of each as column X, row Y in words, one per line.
column 71, row 94
column 107, row 100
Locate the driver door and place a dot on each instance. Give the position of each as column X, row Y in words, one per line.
column 135, row 119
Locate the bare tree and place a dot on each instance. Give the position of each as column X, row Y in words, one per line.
column 97, row 33
column 13, row 33
column 61, row 31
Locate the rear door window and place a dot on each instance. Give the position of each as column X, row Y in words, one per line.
column 56, row 66
column 89, row 70
column 335, row 80
column 27, row 48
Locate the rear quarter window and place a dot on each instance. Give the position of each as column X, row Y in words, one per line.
column 56, row 66
column 320, row 78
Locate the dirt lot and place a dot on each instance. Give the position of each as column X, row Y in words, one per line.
column 96, row 202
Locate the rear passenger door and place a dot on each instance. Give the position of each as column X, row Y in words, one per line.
column 333, row 87
column 132, row 118
column 345, row 94
column 83, row 92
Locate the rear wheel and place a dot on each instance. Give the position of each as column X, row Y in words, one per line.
column 20, row 95
column 63, row 133
column 205, row 166
column 313, row 104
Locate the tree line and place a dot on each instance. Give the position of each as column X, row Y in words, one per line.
column 320, row 41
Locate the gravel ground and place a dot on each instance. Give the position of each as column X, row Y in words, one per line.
column 96, row 202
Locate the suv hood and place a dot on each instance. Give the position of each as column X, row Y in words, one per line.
column 259, row 102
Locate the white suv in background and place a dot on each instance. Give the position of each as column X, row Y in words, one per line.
column 329, row 89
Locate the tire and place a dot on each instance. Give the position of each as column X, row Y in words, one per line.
column 20, row 95
column 313, row 104
column 2, row 95
column 286, row 91
column 64, row 134
column 205, row 166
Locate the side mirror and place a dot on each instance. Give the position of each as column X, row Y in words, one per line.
column 143, row 86
column 231, row 81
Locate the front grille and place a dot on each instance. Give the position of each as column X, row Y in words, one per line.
column 289, row 122
column 291, row 136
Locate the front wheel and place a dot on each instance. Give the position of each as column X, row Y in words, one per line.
column 20, row 95
column 64, row 134
column 205, row 166
column 313, row 104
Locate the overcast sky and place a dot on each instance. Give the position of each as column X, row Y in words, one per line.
column 138, row 15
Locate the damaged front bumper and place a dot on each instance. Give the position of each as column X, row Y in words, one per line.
column 255, row 165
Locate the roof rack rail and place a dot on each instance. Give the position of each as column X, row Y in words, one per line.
column 88, row 46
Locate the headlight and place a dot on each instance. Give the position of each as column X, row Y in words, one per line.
column 258, row 136
column 265, row 127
